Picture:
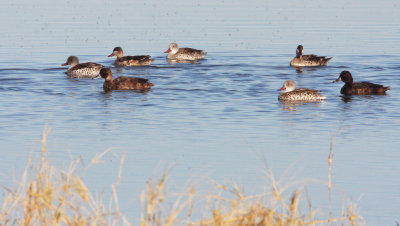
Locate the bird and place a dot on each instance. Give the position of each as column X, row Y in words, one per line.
column 290, row 93
column 308, row 60
column 359, row 88
column 83, row 70
column 123, row 61
column 176, row 53
column 123, row 83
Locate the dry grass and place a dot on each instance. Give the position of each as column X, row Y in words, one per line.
column 271, row 208
column 50, row 196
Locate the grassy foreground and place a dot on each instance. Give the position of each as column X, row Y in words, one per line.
column 46, row 195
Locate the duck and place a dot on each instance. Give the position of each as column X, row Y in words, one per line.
column 176, row 53
column 123, row 83
column 308, row 60
column 83, row 70
column 124, row 61
column 359, row 88
column 290, row 93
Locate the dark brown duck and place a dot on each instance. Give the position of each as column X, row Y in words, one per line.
column 123, row 83
column 359, row 88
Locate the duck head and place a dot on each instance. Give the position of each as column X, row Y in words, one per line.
column 299, row 50
column 288, row 85
column 117, row 52
column 106, row 73
column 173, row 48
column 72, row 60
column 346, row 77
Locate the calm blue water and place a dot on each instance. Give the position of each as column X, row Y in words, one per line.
column 217, row 119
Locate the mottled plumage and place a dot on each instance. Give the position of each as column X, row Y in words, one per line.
column 290, row 93
column 84, row 70
column 123, row 83
column 175, row 53
column 123, row 61
column 359, row 88
column 308, row 60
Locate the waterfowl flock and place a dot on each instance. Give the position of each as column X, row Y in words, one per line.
column 189, row 55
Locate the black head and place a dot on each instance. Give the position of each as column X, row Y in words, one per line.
column 345, row 76
column 106, row 73
column 299, row 50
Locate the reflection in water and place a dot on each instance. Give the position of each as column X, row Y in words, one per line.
column 350, row 98
column 290, row 105
column 300, row 70
column 182, row 61
column 346, row 99
column 144, row 91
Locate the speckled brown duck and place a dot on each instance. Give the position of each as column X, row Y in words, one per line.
column 359, row 88
column 176, row 53
column 123, row 83
column 308, row 60
column 84, row 70
column 290, row 93
column 124, row 61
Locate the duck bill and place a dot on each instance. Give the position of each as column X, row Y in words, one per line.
column 283, row 88
column 337, row 80
column 97, row 76
column 168, row 51
column 65, row 64
column 111, row 55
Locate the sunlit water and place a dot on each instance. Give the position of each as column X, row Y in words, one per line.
column 219, row 118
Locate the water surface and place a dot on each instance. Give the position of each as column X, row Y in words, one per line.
column 219, row 117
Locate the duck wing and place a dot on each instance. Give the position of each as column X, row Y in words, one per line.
column 190, row 51
column 86, row 65
column 368, row 88
column 315, row 58
column 132, row 83
column 135, row 58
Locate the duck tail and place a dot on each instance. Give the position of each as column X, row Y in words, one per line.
column 325, row 61
column 386, row 88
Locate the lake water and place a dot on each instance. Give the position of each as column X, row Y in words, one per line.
column 216, row 119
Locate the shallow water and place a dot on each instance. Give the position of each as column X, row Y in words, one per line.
column 219, row 117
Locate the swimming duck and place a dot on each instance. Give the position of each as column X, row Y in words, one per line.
column 123, row 83
column 290, row 93
column 123, row 61
column 308, row 60
column 359, row 88
column 175, row 53
column 84, row 70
